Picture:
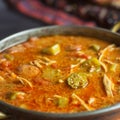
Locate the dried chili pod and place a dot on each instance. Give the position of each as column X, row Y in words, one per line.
column 104, row 17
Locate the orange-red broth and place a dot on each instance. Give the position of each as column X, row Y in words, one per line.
column 40, row 94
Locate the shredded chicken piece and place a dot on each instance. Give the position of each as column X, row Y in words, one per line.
column 104, row 66
column 57, row 96
column 36, row 63
column 2, row 60
column 21, row 79
column 105, row 50
column 109, row 86
column 24, row 81
column 73, row 66
column 82, row 102
column 108, row 61
column 91, row 100
column 1, row 79
column 60, row 81
column 76, row 65
column 103, row 54
column 46, row 60
column 42, row 61
column 80, row 52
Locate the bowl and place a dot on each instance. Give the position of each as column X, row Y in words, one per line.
column 15, row 113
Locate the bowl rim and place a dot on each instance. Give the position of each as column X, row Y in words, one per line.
column 100, row 112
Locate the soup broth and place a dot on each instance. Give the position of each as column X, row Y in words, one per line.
column 62, row 74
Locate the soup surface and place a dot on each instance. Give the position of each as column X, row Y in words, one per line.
column 61, row 74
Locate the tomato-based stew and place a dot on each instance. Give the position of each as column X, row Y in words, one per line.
column 61, row 74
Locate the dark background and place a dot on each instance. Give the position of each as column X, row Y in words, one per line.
column 12, row 21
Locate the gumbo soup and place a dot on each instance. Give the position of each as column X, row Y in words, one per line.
column 61, row 74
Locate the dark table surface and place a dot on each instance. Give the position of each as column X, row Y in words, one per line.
column 11, row 21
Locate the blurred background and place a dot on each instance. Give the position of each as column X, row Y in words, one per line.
column 18, row 15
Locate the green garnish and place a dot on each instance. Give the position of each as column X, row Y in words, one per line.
column 9, row 57
column 92, row 65
column 53, row 50
column 51, row 74
column 95, row 47
column 61, row 101
column 77, row 80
